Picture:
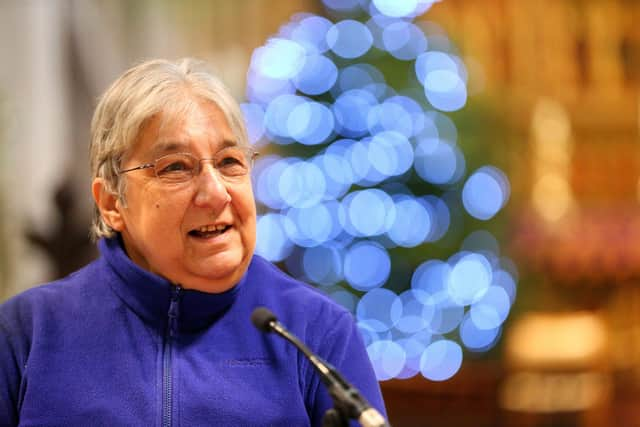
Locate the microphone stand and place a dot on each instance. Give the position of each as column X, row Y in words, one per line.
column 334, row 417
column 347, row 401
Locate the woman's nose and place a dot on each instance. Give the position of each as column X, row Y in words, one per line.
column 211, row 190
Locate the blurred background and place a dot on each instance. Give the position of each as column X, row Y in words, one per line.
column 463, row 176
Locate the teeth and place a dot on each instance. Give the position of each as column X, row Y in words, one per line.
column 211, row 228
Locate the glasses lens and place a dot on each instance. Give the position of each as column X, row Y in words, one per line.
column 176, row 167
column 232, row 162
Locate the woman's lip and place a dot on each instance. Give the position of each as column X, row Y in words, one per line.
column 196, row 233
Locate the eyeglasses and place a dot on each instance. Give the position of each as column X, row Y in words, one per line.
column 231, row 163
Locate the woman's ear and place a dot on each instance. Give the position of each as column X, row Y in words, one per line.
column 108, row 203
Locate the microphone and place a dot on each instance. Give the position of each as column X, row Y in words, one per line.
column 339, row 388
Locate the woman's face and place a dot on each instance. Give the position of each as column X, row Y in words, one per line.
column 200, row 233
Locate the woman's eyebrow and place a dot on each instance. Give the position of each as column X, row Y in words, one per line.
column 169, row 146
column 226, row 143
column 176, row 146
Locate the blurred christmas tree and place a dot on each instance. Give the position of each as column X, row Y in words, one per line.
column 368, row 192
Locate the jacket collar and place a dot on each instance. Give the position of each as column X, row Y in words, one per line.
column 150, row 295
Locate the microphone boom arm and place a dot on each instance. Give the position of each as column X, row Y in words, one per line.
column 346, row 397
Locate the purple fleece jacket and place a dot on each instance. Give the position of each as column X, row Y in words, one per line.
column 115, row 345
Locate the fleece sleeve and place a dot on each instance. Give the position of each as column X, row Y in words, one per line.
column 343, row 347
column 9, row 378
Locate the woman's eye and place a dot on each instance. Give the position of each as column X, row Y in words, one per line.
column 229, row 161
column 175, row 167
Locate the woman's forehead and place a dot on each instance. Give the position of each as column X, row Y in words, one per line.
column 174, row 129
column 189, row 109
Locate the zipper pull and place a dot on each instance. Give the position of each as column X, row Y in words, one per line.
column 174, row 310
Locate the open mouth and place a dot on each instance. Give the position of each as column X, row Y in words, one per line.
column 209, row 231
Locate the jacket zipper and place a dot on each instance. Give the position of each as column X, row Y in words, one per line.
column 170, row 333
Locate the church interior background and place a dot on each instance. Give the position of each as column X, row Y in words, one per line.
column 554, row 90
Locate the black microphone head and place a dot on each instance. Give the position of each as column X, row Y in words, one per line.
column 262, row 318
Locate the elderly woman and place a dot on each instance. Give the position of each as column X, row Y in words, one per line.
column 157, row 330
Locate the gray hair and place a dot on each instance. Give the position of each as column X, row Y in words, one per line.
column 138, row 95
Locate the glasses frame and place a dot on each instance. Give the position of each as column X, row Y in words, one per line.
column 248, row 151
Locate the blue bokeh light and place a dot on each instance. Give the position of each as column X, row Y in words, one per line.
column 439, row 214
column 310, row 123
column 507, row 282
column 358, row 76
column 387, row 358
column 412, row 224
column 253, row 115
column 423, row 6
column 432, row 61
column 262, row 89
column 302, row 184
column 279, row 58
column 446, row 129
column 367, row 213
column 476, row 339
column 356, row 152
column 396, row 8
column 416, row 315
column 485, row 193
column 445, row 90
column 268, row 173
column 337, row 172
column 359, row 154
column 323, row 264
column 471, row 275
column 444, row 313
column 401, row 8
column 413, row 349
column 438, row 162
column 404, row 40
column 390, row 116
column 369, row 335
column 278, row 112
column 441, row 360
column 443, row 81
column 349, row 39
column 311, row 34
column 272, row 242
column 351, row 110
column 311, row 226
column 390, row 153
column 317, row 75
column 415, row 112
column 342, row 5
column 338, row 214
column 431, row 276
column 376, row 26
column 492, row 309
column 380, row 308
column 361, row 76
column 366, row 266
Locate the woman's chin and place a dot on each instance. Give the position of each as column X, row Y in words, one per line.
column 217, row 274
